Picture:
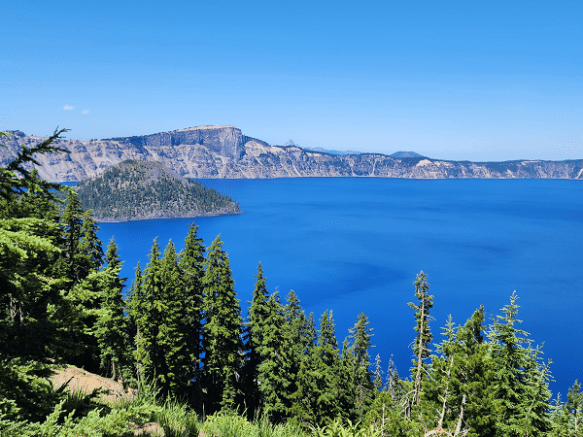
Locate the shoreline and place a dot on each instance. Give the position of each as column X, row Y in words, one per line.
column 122, row 220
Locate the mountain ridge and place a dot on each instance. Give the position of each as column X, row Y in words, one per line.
column 214, row 151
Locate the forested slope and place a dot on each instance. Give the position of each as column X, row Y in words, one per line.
column 136, row 190
column 200, row 363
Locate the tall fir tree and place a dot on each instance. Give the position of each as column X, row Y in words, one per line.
column 151, row 316
column 135, row 308
column 273, row 373
column 223, row 345
column 191, row 264
column 111, row 327
column 520, row 385
column 421, row 344
column 360, row 336
column 176, row 372
column 254, row 332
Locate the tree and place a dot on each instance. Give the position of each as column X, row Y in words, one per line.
column 191, row 264
column 222, row 341
column 111, row 327
column 424, row 336
column 135, row 309
column 175, row 370
column 255, row 330
column 149, row 316
column 361, row 343
column 520, row 384
column 273, row 373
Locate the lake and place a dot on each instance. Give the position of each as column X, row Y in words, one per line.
column 356, row 244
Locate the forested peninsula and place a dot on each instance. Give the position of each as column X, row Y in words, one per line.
column 138, row 190
column 196, row 364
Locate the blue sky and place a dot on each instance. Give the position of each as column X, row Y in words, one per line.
column 452, row 80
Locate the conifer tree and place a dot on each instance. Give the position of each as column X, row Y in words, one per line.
column 222, row 341
column 273, row 372
column 89, row 243
column 520, row 385
column 319, row 397
column 192, row 266
column 424, row 336
column 176, row 371
column 255, row 330
column 72, row 221
column 150, row 316
column 111, row 327
column 135, row 309
column 361, row 343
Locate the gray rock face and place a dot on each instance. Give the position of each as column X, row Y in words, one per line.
column 224, row 152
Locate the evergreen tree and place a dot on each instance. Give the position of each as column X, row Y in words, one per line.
column 319, row 397
column 89, row 243
column 257, row 327
column 72, row 221
column 273, row 371
column 150, row 317
column 111, row 327
column 424, row 336
column 135, row 309
column 520, row 382
column 192, row 267
column 361, row 343
column 176, row 371
column 222, row 330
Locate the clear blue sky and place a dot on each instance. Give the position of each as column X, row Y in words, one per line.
column 450, row 79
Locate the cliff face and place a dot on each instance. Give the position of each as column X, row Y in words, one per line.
column 224, row 152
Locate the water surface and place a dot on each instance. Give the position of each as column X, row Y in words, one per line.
column 356, row 244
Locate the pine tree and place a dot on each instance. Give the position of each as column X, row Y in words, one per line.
column 192, row 265
column 135, row 309
column 72, row 220
column 111, row 327
column 176, row 371
column 320, row 397
column 273, row 371
column 361, row 343
column 255, row 330
column 151, row 317
column 520, row 384
column 424, row 336
column 89, row 243
column 222, row 331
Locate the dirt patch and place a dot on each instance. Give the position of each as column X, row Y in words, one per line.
column 86, row 382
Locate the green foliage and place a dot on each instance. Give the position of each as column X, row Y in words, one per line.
column 223, row 345
column 138, row 189
column 424, row 336
column 111, row 327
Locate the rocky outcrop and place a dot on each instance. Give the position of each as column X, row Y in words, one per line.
column 224, row 152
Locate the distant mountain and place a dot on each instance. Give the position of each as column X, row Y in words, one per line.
column 224, row 152
column 136, row 190
column 334, row 152
column 290, row 143
column 406, row 155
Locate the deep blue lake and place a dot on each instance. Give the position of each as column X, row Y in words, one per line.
column 356, row 244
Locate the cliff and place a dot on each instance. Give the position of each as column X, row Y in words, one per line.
column 224, row 152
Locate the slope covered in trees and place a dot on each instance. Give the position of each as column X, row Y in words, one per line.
column 135, row 190
column 180, row 331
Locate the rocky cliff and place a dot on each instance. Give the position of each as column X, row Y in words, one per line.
column 224, row 152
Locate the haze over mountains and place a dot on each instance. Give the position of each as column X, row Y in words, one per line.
column 224, row 152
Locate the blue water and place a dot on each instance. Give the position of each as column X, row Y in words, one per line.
column 356, row 244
